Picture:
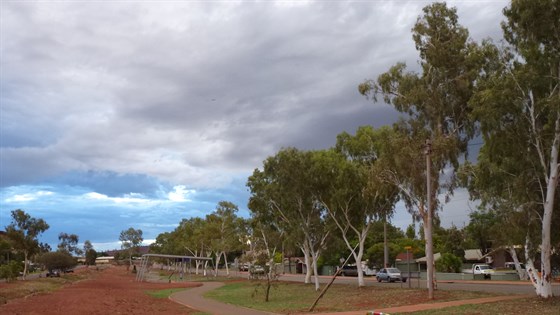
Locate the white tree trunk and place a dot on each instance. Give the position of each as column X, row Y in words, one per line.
column 226, row 263
column 307, row 259
column 520, row 272
column 315, row 258
column 358, row 258
column 545, row 289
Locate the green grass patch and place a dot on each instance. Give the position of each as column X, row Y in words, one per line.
column 163, row 294
column 290, row 297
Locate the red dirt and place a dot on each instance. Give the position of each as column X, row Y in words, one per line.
column 111, row 291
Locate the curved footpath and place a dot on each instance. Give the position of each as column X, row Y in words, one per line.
column 193, row 298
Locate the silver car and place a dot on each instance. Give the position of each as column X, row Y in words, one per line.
column 390, row 275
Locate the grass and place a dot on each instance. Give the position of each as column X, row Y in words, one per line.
column 288, row 297
column 163, row 294
column 19, row 289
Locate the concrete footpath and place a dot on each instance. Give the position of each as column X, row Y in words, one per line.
column 193, row 298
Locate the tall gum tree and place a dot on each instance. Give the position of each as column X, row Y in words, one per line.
column 353, row 195
column 434, row 103
column 225, row 229
column 282, row 191
column 519, row 111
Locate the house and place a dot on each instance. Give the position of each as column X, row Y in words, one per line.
column 406, row 262
column 471, row 256
column 104, row 260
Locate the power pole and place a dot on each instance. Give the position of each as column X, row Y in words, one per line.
column 385, row 246
column 428, row 236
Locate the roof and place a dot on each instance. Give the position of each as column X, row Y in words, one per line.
column 473, row 254
column 424, row 259
column 402, row 257
column 470, row 255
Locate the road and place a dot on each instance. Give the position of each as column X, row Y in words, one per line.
column 500, row 287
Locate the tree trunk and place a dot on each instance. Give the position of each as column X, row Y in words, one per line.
column 25, row 254
column 428, row 225
column 358, row 258
column 520, row 272
column 315, row 257
column 307, row 259
column 545, row 289
column 226, row 263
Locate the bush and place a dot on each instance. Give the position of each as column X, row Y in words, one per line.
column 449, row 263
column 58, row 260
column 10, row 271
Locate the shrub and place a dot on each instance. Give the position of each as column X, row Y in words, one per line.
column 10, row 271
column 449, row 263
column 58, row 260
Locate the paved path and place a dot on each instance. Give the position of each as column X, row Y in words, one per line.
column 193, row 298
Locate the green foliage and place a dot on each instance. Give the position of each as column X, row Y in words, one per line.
column 91, row 255
column 130, row 241
column 410, row 231
column 278, row 257
column 57, row 260
column 69, row 243
column 449, row 263
column 375, row 254
column 10, row 271
column 23, row 233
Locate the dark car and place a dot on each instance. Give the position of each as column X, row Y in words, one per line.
column 351, row 271
column 53, row 273
column 390, row 275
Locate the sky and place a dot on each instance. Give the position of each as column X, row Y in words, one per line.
column 118, row 114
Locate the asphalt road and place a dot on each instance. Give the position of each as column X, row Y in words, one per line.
column 500, row 287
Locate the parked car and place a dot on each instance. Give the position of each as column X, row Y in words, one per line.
column 243, row 267
column 351, row 271
column 53, row 273
column 390, row 275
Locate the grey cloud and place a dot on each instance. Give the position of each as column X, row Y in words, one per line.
column 192, row 92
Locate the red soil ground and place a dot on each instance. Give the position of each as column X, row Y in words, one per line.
column 111, row 291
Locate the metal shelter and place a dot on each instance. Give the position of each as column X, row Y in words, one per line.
column 146, row 259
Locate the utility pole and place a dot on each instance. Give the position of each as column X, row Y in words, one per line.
column 429, row 241
column 385, row 245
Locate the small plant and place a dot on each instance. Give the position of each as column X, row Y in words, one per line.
column 10, row 271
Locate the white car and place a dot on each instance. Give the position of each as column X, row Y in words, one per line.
column 390, row 275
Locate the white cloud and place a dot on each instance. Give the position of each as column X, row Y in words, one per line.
column 128, row 199
column 28, row 196
column 180, row 194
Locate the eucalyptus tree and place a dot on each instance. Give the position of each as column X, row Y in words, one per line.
column 90, row 253
column 69, row 243
column 282, row 192
column 353, row 194
column 193, row 238
column 435, row 104
column 130, row 241
column 23, row 233
column 225, row 231
column 519, row 111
